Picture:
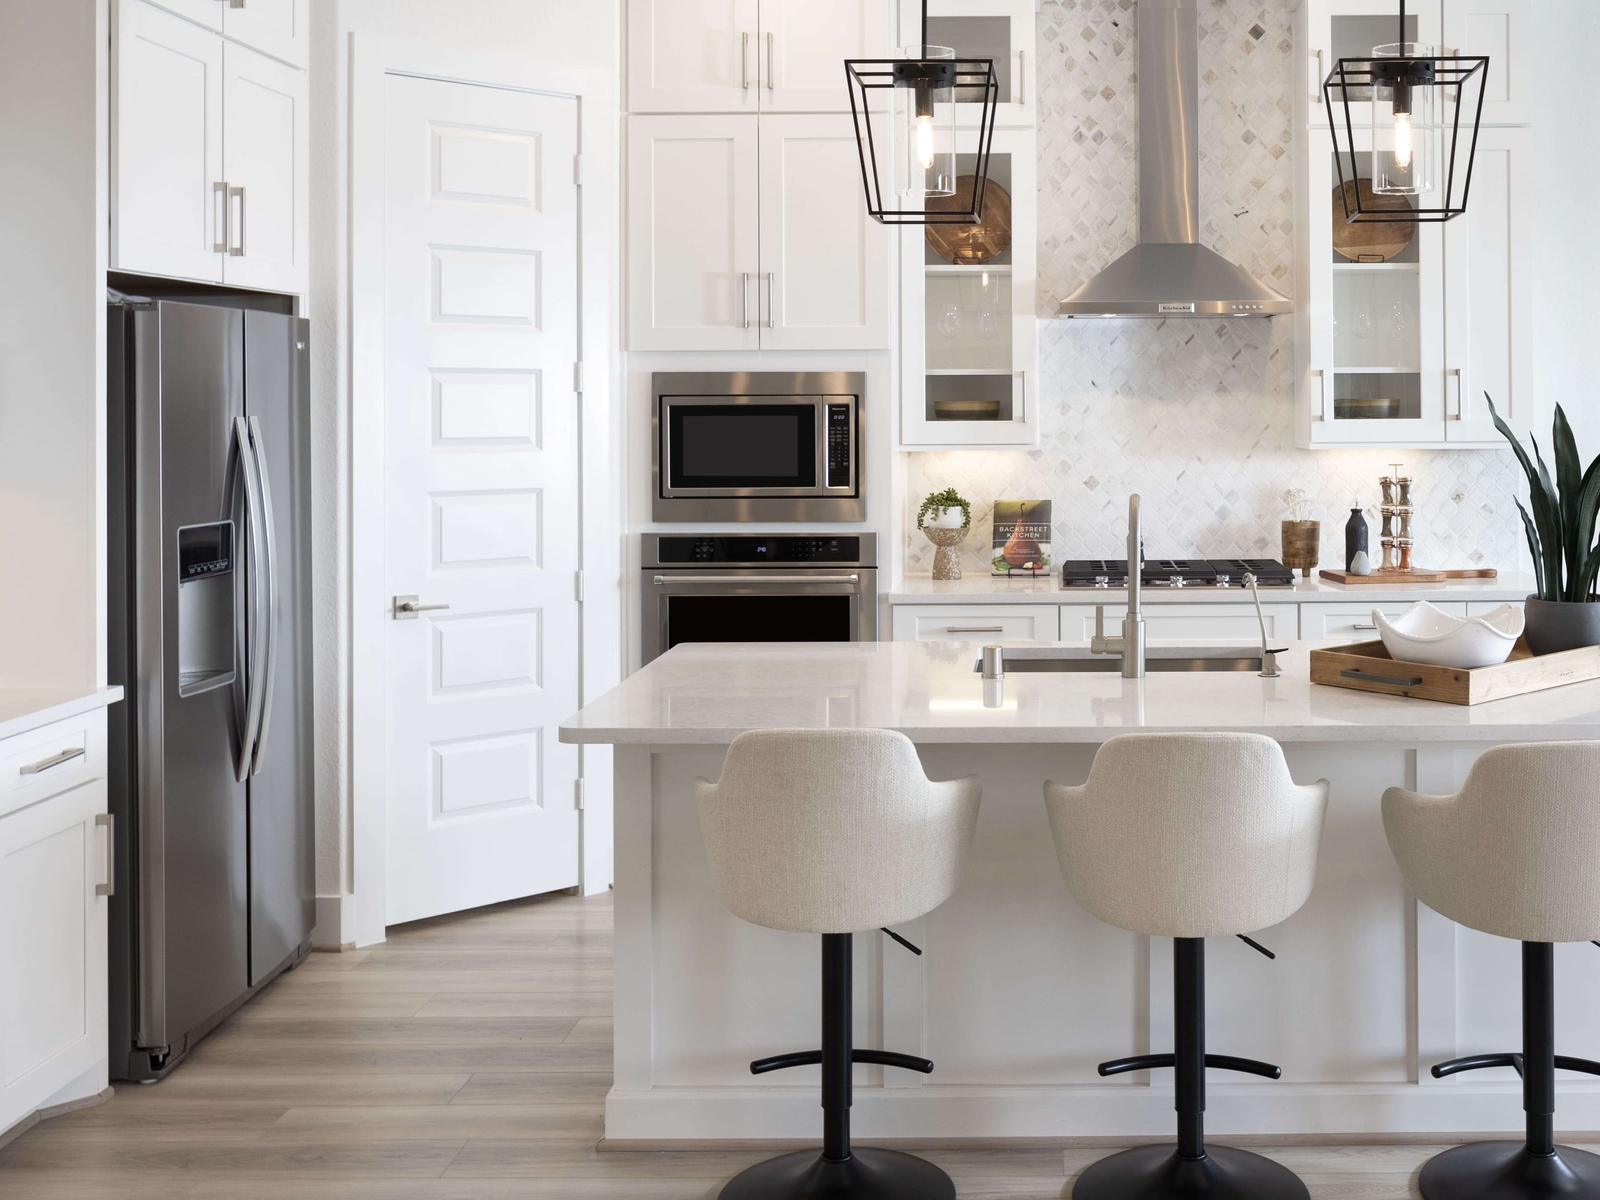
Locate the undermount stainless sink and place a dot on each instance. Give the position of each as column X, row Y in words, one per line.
column 1110, row 664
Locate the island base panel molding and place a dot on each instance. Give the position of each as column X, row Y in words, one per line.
column 1020, row 993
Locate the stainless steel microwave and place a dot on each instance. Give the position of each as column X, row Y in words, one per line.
column 758, row 446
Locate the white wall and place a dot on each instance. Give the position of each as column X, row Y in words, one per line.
column 53, row 116
column 581, row 34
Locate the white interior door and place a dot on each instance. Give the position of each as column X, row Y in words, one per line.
column 824, row 260
column 166, row 215
column 481, row 460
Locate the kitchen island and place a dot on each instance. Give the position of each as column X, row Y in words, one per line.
column 1020, row 993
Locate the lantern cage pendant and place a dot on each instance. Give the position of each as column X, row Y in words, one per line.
column 904, row 110
column 1405, row 87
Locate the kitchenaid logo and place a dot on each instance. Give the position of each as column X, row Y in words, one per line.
column 1171, row 307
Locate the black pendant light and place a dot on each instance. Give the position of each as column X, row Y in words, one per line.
column 1417, row 100
column 908, row 145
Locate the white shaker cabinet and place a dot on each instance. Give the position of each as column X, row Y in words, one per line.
column 55, row 875
column 740, row 236
column 280, row 28
column 1202, row 620
column 265, row 165
column 1502, row 30
column 694, row 249
column 167, row 202
column 209, row 162
column 824, row 261
column 976, row 623
column 734, row 56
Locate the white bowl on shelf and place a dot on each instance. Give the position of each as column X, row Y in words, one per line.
column 1424, row 634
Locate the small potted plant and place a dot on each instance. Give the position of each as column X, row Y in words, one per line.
column 945, row 518
column 1561, row 537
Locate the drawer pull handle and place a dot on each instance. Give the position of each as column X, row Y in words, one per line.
column 109, row 887
column 1364, row 625
column 55, row 760
column 974, row 629
column 1369, row 677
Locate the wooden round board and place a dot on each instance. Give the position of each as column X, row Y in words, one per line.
column 974, row 244
column 1369, row 241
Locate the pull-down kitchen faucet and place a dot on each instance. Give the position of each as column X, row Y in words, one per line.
column 1131, row 644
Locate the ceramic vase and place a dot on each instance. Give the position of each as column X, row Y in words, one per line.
column 1554, row 625
column 946, row 562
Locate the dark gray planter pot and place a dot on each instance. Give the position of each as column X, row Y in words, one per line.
column 1554, row 625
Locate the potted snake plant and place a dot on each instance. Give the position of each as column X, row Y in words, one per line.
column 1565, row 614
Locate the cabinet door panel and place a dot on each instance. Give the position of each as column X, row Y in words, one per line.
column 167, row 146
column 1489, row 300
column 803, row 47
column 824, row 260
column 1500, row 29
column 693, row 249
column 975, row 623
column 694, row 56
column 1351, row 28
column 1353, row 622
column 201, row 12
column 53, row 944
column 1165, row 620
column 264, row 161
column 275, row 27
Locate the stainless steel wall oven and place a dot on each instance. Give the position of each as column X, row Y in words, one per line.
column 758, row 446
column 758, row 588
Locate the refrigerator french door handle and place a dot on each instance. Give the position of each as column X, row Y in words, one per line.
column 269, row 658
column 243, row 455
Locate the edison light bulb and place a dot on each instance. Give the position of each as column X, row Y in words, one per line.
column 925, row 141
column 1402, row 140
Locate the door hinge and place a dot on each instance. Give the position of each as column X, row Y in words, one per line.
column 577, row 586
column 577, row 377
column 577, row 169
column 577, row 794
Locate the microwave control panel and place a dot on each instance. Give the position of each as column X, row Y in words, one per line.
column 839, row 439
column 758, row 551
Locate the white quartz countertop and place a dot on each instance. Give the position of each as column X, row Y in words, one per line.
column 22, row 709
column 986, row 589
column 708, row 694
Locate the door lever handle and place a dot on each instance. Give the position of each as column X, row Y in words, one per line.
column 406, row 608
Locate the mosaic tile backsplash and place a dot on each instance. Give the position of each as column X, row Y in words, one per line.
column 1196, row 416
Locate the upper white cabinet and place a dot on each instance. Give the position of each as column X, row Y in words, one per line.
column 749, row 56
column 749, row 233
column 276, row 27
column 167, row 210
column 1396, row 344
column 968, row 330
column 209, row 154
column 1001, row 30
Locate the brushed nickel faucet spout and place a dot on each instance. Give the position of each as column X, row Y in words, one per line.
column 1131, row 645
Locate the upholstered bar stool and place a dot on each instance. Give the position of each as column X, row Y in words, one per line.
column 1189, row 836
column 835, row 832
column 1515, row 853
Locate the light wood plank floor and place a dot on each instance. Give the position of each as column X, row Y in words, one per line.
column 465, row 1059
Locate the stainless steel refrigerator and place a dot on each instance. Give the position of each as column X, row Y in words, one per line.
column 210, row 628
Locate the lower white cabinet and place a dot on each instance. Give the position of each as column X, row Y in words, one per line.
column 55, row 876
column 1232, row 621
column 1354, row 622
column 975, row 622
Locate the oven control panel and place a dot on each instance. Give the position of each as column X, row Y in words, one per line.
column 757, row 551
column 839, row 441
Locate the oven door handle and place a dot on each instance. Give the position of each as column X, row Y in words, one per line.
column 696, row 578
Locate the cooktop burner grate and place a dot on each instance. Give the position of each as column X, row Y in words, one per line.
column 1176, row 572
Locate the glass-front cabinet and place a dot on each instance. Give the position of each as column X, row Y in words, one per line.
column 1400, row 328
column 968, row 330
column 1002, row 30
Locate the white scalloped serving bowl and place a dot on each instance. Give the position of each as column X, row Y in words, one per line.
column 1424, row 634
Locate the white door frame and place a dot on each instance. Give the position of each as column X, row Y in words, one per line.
column 373, row 58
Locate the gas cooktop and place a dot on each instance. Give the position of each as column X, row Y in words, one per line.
column 1176, row 572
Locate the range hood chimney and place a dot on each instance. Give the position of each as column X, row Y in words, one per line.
column 1169, row 274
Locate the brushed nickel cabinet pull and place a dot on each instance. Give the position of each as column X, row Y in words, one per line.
column 55, row 760
column 974, row 629
column 107, row 822
column 744, row 61
column 219, row 225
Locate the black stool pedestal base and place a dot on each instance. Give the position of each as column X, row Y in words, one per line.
column 1506, row 1171
column 866, row 1175
column 1157, row 1173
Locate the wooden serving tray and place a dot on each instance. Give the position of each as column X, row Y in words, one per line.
column 1417, row 576
column 1367, row 667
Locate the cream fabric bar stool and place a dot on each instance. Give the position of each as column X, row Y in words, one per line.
column 1515, row 853
column 831, row 832
column 1189, row 836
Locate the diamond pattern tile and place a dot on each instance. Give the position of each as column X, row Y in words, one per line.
column 1196, row 416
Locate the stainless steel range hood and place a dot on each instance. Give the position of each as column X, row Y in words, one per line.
column 1169, row 274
